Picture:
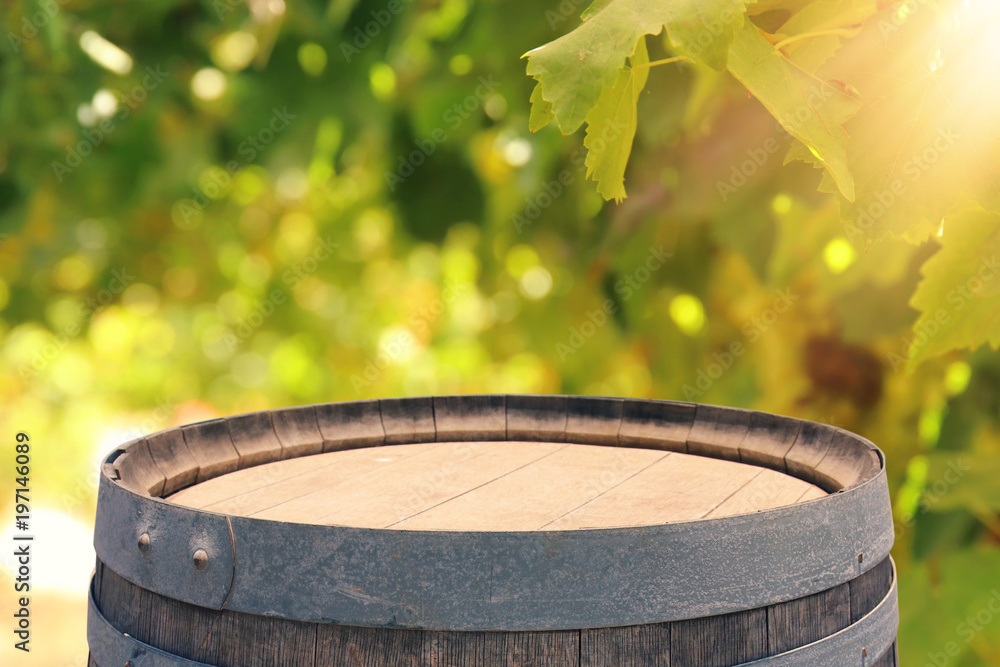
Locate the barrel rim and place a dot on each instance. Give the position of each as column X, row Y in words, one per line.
column 823, row 542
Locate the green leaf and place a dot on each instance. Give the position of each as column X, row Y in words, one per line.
column 959, row 296
column 594, row 8
column 574, row 70
column 541, row 111
column 611, row 127
column 704, row 29
column 813, row 33
column 810, row 109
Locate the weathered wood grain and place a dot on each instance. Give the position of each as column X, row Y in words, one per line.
column 484, row 485
column 350, row 424
column 470, row 418
column 559, row 479
column 768, row 439
column 720, row 641
column 718, row 432
column 359, row 647
column 407, row 487
column 630, row 646
column 137, row 470
column 847, row 462
column 408, row 420
column 768, row 489
column 172, row 457
column 656, row 425
column 540, row 418
column 298, row 431
column 232, row 639
column 806, row 620
column 254, row 438
column 311, row 474
column 593, row 420
column 869, row 589
column 810, row 447
column 212, row 447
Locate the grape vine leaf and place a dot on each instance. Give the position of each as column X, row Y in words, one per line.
column 593, row 8
column 959, row 296
column 541, row 111
column 611, row 126
column 574, row 70
column 703, row 30
column 810, row 109
column 802, row 36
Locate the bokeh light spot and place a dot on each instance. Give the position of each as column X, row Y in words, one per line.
column 234, row 51
column 383, row 81
column 208, row 84
column 104, row 103
column 141, row 299
column 781, row 204
column 312, row 58
column 460, row 64
column 74, row 273
column 687, row 313
column 839, row 254
column 957, row 377
column 105, row 54
column 520, row 258
column 536, row 283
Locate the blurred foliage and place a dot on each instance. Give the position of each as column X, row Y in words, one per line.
column 896, row 102
column 210, row 207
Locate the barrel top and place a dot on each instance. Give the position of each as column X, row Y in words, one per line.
column 629, row 509
column 516, row 486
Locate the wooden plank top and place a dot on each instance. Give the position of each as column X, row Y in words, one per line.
column 496, row 486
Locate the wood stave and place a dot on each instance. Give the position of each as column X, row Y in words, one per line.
column 235, row 639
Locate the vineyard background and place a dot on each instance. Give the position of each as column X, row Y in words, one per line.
column 214, row 206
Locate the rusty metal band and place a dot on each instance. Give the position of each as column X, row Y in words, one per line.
column 457, row 580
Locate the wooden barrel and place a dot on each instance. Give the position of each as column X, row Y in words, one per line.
column 495, row 530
